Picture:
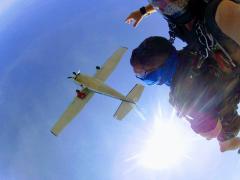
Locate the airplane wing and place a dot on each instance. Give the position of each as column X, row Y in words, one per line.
column 78, row 103
column 110, row 64
column 73, row 109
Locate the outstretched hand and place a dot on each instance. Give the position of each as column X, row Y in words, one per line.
column 135, row 17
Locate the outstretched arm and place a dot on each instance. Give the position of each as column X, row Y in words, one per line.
column 136, row 16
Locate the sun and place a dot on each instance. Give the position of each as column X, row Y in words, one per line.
column 166, row 146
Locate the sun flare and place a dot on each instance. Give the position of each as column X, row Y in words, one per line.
column 165, row 146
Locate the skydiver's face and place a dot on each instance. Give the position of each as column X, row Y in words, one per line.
column 152, row 64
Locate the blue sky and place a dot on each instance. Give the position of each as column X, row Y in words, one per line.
column 41, row 43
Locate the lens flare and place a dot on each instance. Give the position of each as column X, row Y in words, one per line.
column 166, row 145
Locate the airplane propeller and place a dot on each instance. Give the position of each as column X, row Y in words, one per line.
column 75, row 74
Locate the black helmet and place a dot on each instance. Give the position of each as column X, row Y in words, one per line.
column 150, row 47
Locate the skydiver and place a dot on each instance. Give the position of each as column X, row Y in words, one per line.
column 206, row 25
column 207, row 97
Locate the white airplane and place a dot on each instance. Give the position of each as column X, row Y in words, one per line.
column 95, row 84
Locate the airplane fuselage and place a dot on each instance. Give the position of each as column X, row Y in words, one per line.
column 100, row 87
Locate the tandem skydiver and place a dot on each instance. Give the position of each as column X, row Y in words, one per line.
column 207, row 96
column 206, row 26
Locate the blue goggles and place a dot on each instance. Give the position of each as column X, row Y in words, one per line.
column 163, row 74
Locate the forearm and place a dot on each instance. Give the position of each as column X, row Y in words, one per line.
column 137, row 16
column 150, row 9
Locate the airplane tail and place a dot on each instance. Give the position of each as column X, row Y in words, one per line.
column 126, row 107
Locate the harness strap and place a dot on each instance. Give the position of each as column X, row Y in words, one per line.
column 206, row 42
